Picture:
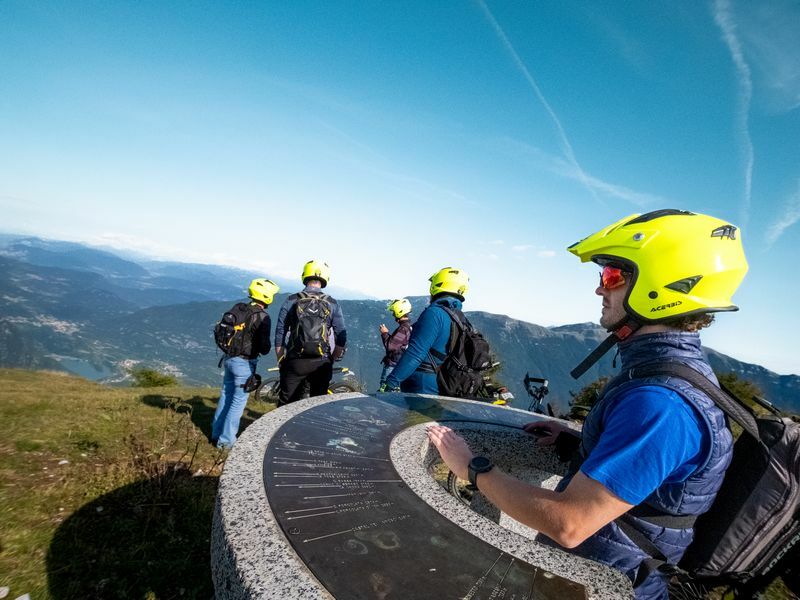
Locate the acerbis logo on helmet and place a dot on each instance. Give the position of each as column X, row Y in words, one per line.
column 664, row 306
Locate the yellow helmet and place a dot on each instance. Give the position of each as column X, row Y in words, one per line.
column 399, row 308
column 318, row 270
column 450, row 280
column 682, row 263
column 263, row 290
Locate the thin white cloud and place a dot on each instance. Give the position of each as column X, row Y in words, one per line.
column 546, row 253
column 725, row 21
column 627, row 46
column 559, row 166
column 424, row 190
column 608, row 189
column 566, row 146
column 789, row 216
column 13, row 202
column 159, row 251
column 521, row 247
column 769, row 33
column 496, row 243
column 135, row 243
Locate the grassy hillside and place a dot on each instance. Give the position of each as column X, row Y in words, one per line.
column 106, row 492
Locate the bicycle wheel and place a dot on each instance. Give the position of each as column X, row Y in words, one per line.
column 460, row 489
column 341, row 387
column 685, row 590
column 268, row 391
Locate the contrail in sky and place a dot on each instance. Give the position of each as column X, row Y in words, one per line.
column 790, row 216
column 724, row 20
column 566, row 147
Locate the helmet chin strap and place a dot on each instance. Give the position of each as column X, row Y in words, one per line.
column 620, row 331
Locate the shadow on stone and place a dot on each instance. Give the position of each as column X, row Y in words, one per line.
column 200, row 413
column 149, row 539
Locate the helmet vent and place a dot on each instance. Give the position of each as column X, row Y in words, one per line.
column 657, row 214
column 726, row 231
column 684, row 286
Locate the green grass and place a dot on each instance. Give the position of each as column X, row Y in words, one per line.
column 128, row 515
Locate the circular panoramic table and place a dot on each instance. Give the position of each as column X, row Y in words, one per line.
column 334, row 497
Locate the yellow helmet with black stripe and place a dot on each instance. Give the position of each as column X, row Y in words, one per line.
column 316, row 269
column 399, row 308
column 681, row 263
column 449, row 279
column 263, row 290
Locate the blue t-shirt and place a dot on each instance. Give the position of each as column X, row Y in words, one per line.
column 651, row 435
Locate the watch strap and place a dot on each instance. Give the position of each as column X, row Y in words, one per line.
column 472, row 472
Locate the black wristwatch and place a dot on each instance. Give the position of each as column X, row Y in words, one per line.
column 478, row 464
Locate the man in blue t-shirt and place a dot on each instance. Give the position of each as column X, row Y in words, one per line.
column 653, row 452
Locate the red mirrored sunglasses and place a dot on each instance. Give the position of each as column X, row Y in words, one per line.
column 612, row 277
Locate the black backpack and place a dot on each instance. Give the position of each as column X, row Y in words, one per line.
column 461, row 373
column 308, row 334
column 232, row 334
column 752, row 529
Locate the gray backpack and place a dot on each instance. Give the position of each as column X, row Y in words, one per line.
column 752, row 531
column 309, row 321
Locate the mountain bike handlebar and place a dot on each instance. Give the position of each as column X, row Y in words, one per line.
column 343, row 370
column 536, row 392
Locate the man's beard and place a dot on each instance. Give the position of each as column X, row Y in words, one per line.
column 612, row 322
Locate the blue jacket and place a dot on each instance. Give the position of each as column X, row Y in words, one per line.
column 414, row 372
column 692, row 496
column 335, row 321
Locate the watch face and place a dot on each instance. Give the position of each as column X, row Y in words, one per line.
column 481, row 464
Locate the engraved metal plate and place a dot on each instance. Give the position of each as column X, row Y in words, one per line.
column 361, row 531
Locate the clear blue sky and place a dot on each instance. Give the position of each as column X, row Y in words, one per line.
column 392, row 139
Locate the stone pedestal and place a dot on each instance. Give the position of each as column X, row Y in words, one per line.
column 333, row 497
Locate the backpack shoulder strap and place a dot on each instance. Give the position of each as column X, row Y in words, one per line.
column 456, row 328
column 255, row 307
column 458, row 317
column 247, row 309
column 728, row 404
column 327, row 301
column 258, row 313
column 324, row 298
column 450, row 313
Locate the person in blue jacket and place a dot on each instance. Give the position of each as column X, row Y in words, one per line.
column 654, row 450
column 416, row 371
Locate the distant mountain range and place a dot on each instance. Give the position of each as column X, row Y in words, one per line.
column 72, row 307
